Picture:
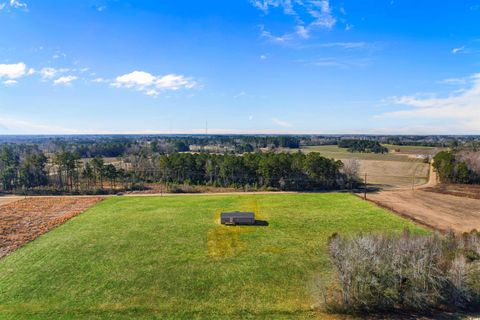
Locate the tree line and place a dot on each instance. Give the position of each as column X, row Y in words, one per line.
column 359, row 145
column 283, row 171
column 27, row 169
column 458, row 166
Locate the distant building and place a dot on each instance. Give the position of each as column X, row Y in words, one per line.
column 237, row 218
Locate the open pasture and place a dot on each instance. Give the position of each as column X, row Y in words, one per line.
column 169, row 258
column 388, row 171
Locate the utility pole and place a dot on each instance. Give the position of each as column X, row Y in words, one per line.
column 206, row 127
column 365, row 190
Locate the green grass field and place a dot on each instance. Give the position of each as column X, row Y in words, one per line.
column 168, row 258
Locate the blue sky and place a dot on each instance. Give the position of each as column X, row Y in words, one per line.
column 245, row 66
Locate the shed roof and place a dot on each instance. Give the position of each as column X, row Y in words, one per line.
column 238, row 214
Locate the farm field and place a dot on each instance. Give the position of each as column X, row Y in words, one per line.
column 440, row 211
column 460, row 190
column 169, row 258
column 23, row 220
column 414, row 150
column 7, row 200
column 387, row 171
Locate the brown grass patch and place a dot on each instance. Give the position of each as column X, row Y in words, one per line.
column 24, row 220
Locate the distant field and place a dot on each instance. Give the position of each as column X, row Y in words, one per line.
column 168, row 258
column 390, row 170
column 412, row 150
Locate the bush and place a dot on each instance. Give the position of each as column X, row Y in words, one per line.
column 381, row 273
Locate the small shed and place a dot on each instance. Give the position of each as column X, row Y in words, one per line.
column 237, row 218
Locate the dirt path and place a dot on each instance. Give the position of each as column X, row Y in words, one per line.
column 432, row 179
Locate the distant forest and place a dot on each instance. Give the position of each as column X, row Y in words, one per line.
column 112, row 163
column 29, row 170
column 358, row 145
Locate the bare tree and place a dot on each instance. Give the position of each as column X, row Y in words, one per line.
column 351, row 170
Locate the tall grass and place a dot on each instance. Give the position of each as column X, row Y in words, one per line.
column 384, row 273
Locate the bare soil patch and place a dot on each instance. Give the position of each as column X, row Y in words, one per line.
column 459, row 190
column 442, row 212
column 7, row 200
column 24, row 220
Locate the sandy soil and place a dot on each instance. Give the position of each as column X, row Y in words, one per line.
column 24, row 220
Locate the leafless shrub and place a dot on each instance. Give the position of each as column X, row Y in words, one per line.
column 407, row 272
column 351, row 170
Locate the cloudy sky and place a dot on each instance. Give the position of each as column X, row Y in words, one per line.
column 245, row 66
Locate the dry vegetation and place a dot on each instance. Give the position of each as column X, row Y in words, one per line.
column 406, row 273
column 24, row 220
column 394, row 170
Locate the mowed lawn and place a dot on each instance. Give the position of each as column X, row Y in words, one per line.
column 168, row 258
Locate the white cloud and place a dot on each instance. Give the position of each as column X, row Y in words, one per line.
column 49, row 72
column 13, row 4
column 322, row 13
column 308, row 15
column 268, row 35
column 457, row 50
column 174, row 82
column 18, row 5
column 282, row 123
column 65, row 80
column 153, row 85
column 461, row 106
column 99, row 80
column 454, row 81
column 263, row 57
column 345, row 45
column 303, row 32
column 100, row 8
column 21, row 126
column 10, row 82
column 12, row 71
column 135, row 78
column 343, row 63
column 240, row 94
column 59, row 55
